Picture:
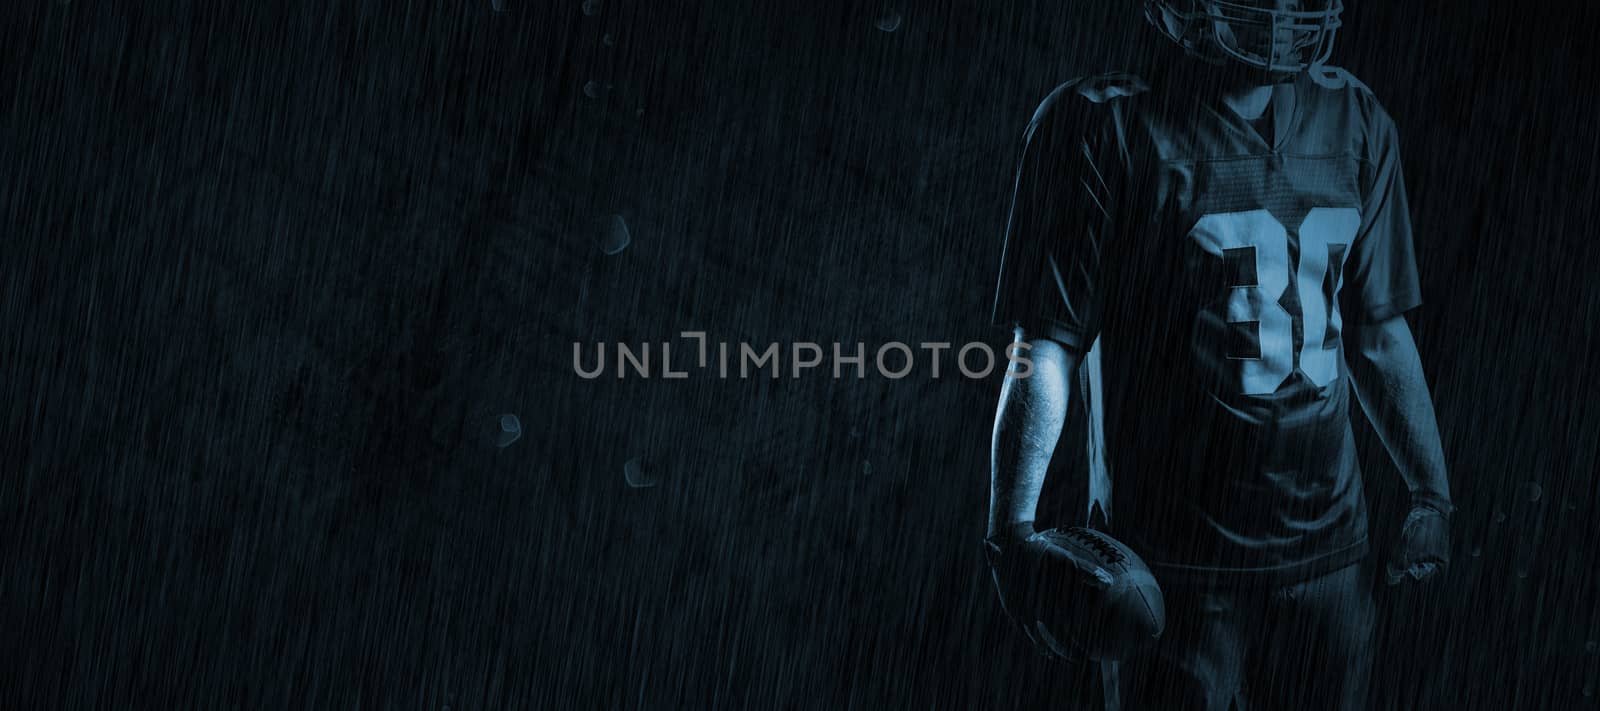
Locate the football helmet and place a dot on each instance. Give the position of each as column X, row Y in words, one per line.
column 1277, row 36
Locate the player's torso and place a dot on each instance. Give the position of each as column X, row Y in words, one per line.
column 1226, row 382
column 1227, row 262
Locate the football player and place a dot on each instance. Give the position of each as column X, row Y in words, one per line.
column 1226, row 240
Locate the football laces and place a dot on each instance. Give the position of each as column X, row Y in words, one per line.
column 1099, row 544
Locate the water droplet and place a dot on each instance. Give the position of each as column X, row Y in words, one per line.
column 613, row 235
column 889, row 22
column 609, row 40
column 633, row 472
column 1499, row 516
column 591, row 7
column 1477, row 551
column 592, row 89
column 1592, row 647
column 508, row 430
column 1531, row 491
column 866, row 468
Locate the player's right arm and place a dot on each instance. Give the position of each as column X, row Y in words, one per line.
column 1027, row 425
column 1048, row 295
column 1048, row 291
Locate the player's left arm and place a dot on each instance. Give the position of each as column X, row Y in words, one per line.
column 1387, row 373
column 1383, row 360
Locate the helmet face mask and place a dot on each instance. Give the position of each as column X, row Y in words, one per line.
column 1275, row 37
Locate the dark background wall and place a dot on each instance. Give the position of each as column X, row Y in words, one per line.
column 268, row 269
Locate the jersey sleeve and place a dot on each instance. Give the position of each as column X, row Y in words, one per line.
column 1382, row 272
column 1050, row 272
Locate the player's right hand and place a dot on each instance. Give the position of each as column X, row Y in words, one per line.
column 1014, row 564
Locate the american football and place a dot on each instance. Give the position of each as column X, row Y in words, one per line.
column 1097, row 598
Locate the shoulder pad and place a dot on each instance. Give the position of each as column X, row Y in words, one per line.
column 1075, row 100
column 1336, row 78
column 1105, row 87
column 1346, row 85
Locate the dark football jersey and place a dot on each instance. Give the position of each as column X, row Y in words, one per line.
column 1216, row 261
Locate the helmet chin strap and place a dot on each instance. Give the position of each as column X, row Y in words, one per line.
column 1238, row 74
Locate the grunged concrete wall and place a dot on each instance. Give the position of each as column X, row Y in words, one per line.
column 283, row 263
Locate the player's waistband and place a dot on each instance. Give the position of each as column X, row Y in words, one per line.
column 1187, row 575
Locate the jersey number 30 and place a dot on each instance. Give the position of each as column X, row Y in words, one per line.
column 1255, row 246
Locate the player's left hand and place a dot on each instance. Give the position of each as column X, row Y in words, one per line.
column 1423, row 548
